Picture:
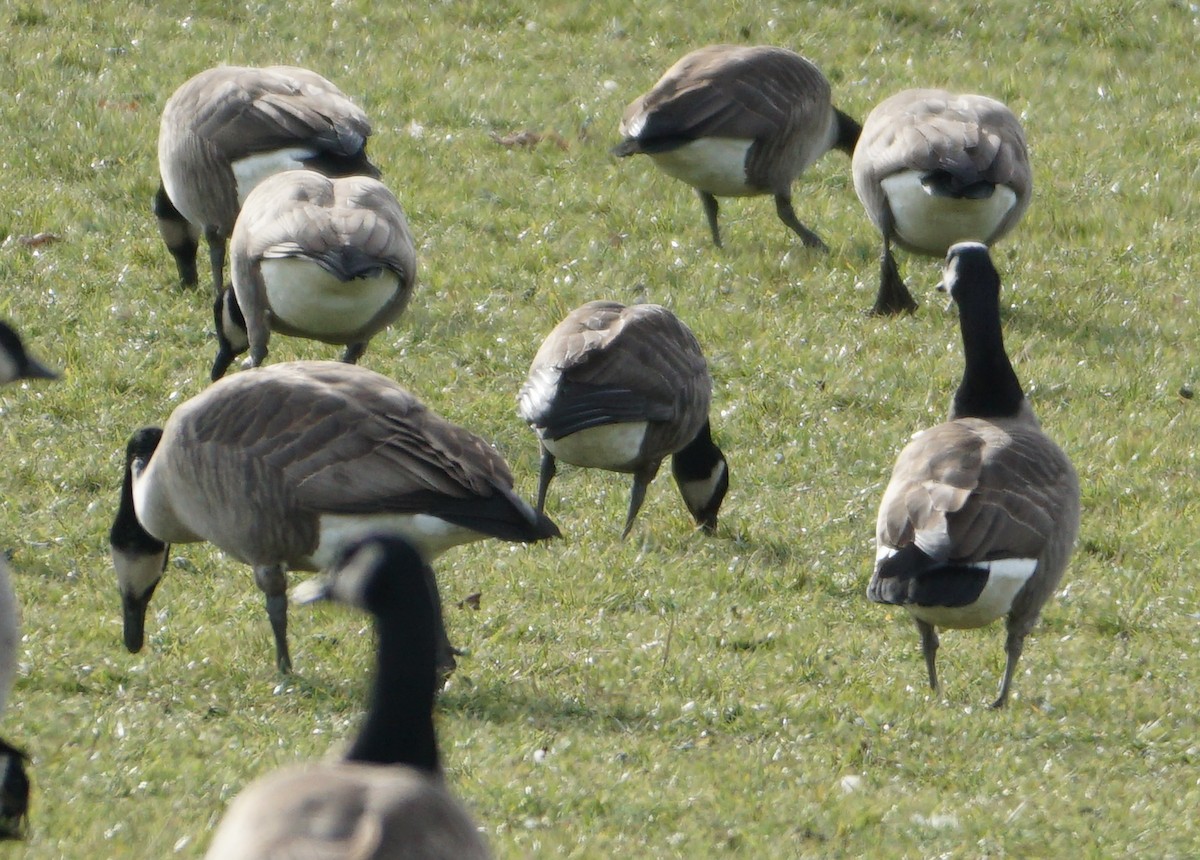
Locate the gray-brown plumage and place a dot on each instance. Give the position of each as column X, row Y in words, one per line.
column 281, row 466
column 621, row 388
column 982, row 512
column 330, row 259
column 386, row 799
column 734, row 121
column 228, row 128
column 933, row 168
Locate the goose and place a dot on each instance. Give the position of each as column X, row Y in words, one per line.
column 981, row 513
column 933, row 168
column 386, row 797
column 736, row 121
column 327, row 258
column 621, row 388
column 281, row 466
column 15, row 364
column 228, row 128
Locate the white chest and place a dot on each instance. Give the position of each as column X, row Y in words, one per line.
column 307, row 298
column 933, row 223
column 713, row 164
column 610, row 446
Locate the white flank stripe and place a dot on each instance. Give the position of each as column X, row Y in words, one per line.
column 1005, row 578
column 933, row 223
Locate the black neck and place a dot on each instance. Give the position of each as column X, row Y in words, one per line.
column 848, row 132
column 399, row 725
column 698, row 458
column 989, row 387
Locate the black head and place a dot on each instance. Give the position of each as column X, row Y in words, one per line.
column 14, row 792
column 702, row 475
column 15, row 362
column 230, row 323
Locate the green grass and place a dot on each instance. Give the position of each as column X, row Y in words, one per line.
column 728, row 696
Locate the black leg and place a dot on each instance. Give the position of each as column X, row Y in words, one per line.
column 894, row 298
column 272, row 580
column 783, row 208
column 711, row 208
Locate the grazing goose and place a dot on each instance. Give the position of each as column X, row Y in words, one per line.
column 386, row 797
column 735, row 121
column 982, row 511
column 227, row 129
column 934, row 168
column 620, row 388
column 281, row 466
column 328, row 259
column 15, row 363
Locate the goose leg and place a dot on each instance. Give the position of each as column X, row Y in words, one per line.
column 929, row 646
column 545, row 476
column 894, row 297
column 1014, row 644
column 216, row 258
column 783, row 208
column 636, row 496
column 711, row 208
column 354, row 352
column 272, row 580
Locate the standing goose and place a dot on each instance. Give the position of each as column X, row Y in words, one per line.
column 227, row 129
column 329, row 259
column 933, row 168
column 735, row 121
column 281, row 466
column 621, row 388
column 982, row 511
column 386, row 797
column 15, row 364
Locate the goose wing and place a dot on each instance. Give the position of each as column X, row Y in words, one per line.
column 971, row 491
column 727, row 91
column 248, row 110
column 607, row 363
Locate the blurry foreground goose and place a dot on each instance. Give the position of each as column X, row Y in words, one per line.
column 228, row 128
column 15, row 364
column 621, row 388
column 386, row 798
column 328, row 259
column 981, row 513
column 282, row 466
column 734, row 121
column 933, row 168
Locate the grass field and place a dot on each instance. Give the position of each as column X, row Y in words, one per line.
column 691, row 696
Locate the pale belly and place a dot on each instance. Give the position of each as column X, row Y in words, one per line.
column 713, row 164
column 306, row 298
column 933, row 223
column 611, row 446
column 248, row 172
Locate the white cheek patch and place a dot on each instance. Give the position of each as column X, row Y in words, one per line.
column 713, row 164
column 253, row 169
column 934, row 223
column 610, row 446
column 696, row 493
column 307, row 298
